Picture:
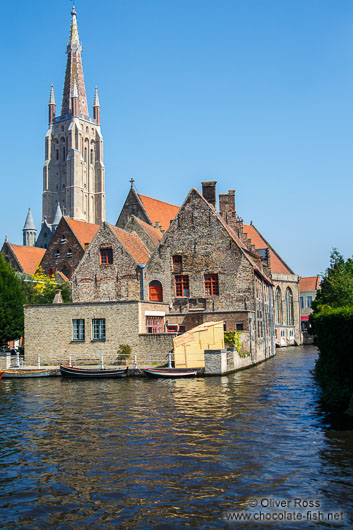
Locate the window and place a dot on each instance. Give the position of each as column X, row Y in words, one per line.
column 98, row 329
column 309, row 301
column 154, row 324
column 50, row 272
column 63, row 240
column 289, row 307
column 239, row 326
column 302, row 302
column 57, row 154
column 91, row 156
column 182, row 285
column 278, row 306
column 211, row 285
column 85, row 154
column 177, row 263
column 57, row 254
column 172, row 329
column 106, row 256
column 78, row 329
column 63, row 150
column 69, row 253
column 155, row 291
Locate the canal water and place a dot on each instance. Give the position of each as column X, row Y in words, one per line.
column 141, row 453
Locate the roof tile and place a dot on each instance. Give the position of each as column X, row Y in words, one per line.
column 84, row 232
column 133, row 244
column 159, row 211
column 28, row 257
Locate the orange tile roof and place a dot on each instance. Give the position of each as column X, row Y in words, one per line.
column 155, row 234
column 84, row 232
column 277, row 264
column 133, row 244
column 28, row 257
column 160, row 211
column 310, row 283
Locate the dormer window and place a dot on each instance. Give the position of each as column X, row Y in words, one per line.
column 69, row 253
column 63, row 240
column 57, row 254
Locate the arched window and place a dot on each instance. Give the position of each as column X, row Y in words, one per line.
column 289, row 307
column 155, row 291
column 51, row 272
column 278, row 306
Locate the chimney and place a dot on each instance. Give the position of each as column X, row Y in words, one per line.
column 209, row 191
column 227, row 207
column 58, row 299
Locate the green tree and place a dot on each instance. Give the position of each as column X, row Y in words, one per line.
column 40, row 289
column 11, row 303
column 336, row 288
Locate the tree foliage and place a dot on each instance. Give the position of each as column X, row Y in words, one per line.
column 11, row 303
column 337, row 284
column 40, row 289
column 332, row 322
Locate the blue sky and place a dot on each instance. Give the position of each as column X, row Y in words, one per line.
column 256, row 94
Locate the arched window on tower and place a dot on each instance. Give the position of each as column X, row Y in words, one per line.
column 289, row 307
column 85, row 155
column 155, row 291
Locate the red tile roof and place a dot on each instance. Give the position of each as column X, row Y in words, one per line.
column 155, row 234
column 133, row 244
column 28, row 257
column 310, row 283
column 84, row 232
column 160, row 211
column 277, row 264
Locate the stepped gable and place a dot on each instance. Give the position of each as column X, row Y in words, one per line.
column 132, row 243
column 310, row 283
column 159, row 211
column 83, row 231
column 277, row 264
column 155, row 234
column 28, row 258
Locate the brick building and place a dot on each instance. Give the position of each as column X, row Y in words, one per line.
column 67, row 246
column 111, row 269
column 308, row 287
column 23, row 259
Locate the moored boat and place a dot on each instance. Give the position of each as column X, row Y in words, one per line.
column 20, row 373
column 171, row 372
column 1, row 374
column 92, row 373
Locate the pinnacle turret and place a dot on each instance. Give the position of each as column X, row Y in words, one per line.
column 57, row 217
column 29, row 231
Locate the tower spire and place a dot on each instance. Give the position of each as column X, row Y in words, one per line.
column 52, row 105
column 74, row 70
column 96, row 108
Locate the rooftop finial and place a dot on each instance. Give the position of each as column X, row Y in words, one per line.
column 132, row 182
column 52, row 97
column 96, row 98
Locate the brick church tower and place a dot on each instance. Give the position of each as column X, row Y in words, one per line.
column 73, row 173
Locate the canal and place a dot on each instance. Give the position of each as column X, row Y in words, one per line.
column 140, row 453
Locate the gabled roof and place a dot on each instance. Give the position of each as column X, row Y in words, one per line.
column 29, row 258
column 234, row 237
column 84, row 232
column 310, row 283
column 159, row 211
column 277, row 264
column 155, row 234
column 132, row 243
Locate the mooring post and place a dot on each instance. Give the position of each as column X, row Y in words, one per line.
column 17, row 359
column 102, row 361
column 38, row 362
column 135, row 363
column 70, row 363
column 169, row 359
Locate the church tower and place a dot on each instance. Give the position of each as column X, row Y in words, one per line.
column 73, row 173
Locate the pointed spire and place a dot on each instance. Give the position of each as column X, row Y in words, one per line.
column 52, row 105
column 29, row 223
column 52, row 97
column 74, row 72
column 96, row 108
column 29, row 231
column 96, row 98
column 57, row 217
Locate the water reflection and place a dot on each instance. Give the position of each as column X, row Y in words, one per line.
column 141, row 453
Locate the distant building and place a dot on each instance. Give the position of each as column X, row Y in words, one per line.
column 308, row 289
column 73, row 174
column 67, row 246
column 23, row 259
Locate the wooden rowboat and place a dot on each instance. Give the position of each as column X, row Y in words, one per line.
column 171, row 372
column 22, row 373
column 92, row 373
